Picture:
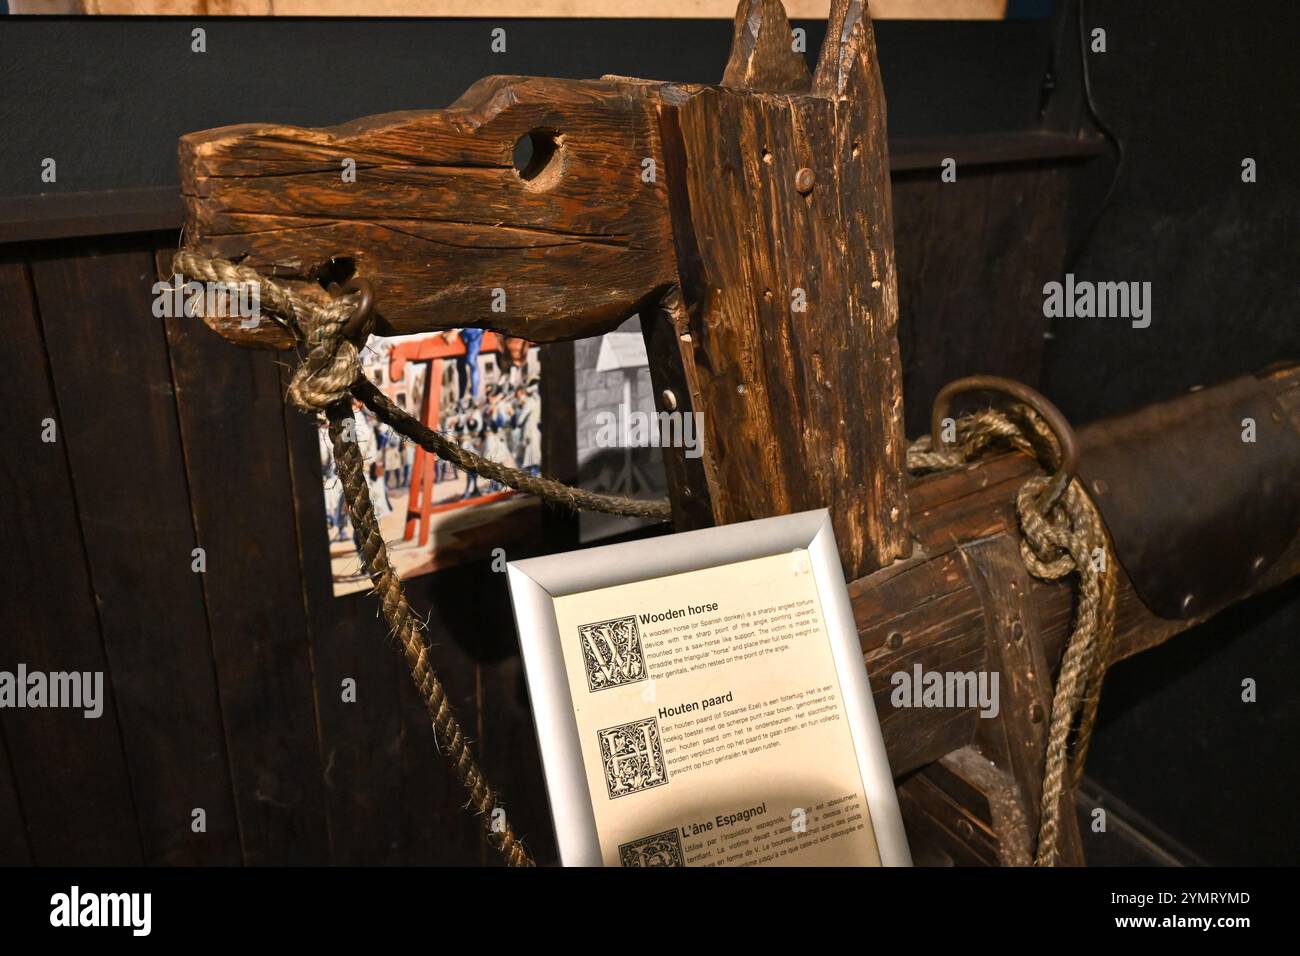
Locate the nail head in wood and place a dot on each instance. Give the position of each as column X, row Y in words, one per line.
column 804, row 180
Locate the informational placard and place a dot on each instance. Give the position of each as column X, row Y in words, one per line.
column 714, row 715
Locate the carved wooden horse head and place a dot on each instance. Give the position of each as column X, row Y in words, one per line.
column 747, row 223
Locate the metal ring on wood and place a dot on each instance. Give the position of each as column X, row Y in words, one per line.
column 358, row 326
column 1056, row 421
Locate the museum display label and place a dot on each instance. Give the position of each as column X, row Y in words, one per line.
column 701, row 700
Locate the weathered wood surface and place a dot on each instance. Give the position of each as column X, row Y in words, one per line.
column 74, row 812
column 928, row 609
column 438, row 216
column 761, row 252
column 785, row 251
column 1015, row 739
column 963, row 810
column 387, row 795
column 750, row 222
column 762, row 56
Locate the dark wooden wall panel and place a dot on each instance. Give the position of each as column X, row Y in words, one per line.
column 70, row 772
column 232, row 429
column 15, row 849
column 108, row 357
column 357, row 739
column 510, row 756
column 972, row 259
column 437, row 828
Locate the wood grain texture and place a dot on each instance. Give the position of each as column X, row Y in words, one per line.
column 690, row 473
column 763, row 255
column 1015, row 740
column 762, row 52
column 793, row 368
column 439, row 217
column 108, row 360
column 928, row 607
column 74, row 811
column 964, row 811
column 229, row 403
column 752, row 229
column 965, row 314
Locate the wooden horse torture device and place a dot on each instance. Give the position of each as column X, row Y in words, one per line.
column 749, row 226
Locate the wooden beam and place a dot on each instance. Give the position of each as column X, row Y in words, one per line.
column 750, row 224
column 439, row 218
column 931, row 610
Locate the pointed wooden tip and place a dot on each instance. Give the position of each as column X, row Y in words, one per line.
column 762, row 51
column 848, row 54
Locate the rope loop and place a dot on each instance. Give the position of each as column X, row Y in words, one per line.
column 333, row 361
column 1062, row 534
column 1052, row 545
column 332, row 333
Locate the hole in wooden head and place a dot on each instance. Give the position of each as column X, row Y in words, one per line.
column 337, row 271
column 537, row 157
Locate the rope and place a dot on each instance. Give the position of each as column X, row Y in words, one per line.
column 331, row 362
column 332, row 369
column 548, row 489
column 322, row 383
column 409, row 631
column 1069, row 539
column 1054, row 545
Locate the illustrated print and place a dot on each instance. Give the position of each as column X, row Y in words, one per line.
column 632, row 757
column 661, row 849
column 612, row 652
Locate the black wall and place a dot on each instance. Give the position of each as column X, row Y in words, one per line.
column 109, row 97
column 1190, row 89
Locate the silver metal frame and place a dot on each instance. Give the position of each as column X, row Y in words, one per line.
column 534, row 584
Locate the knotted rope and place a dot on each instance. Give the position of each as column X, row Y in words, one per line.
column 321, row 383
column 1068, row 539
column 329, row 372
column 409, row 631
column 331, row 369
